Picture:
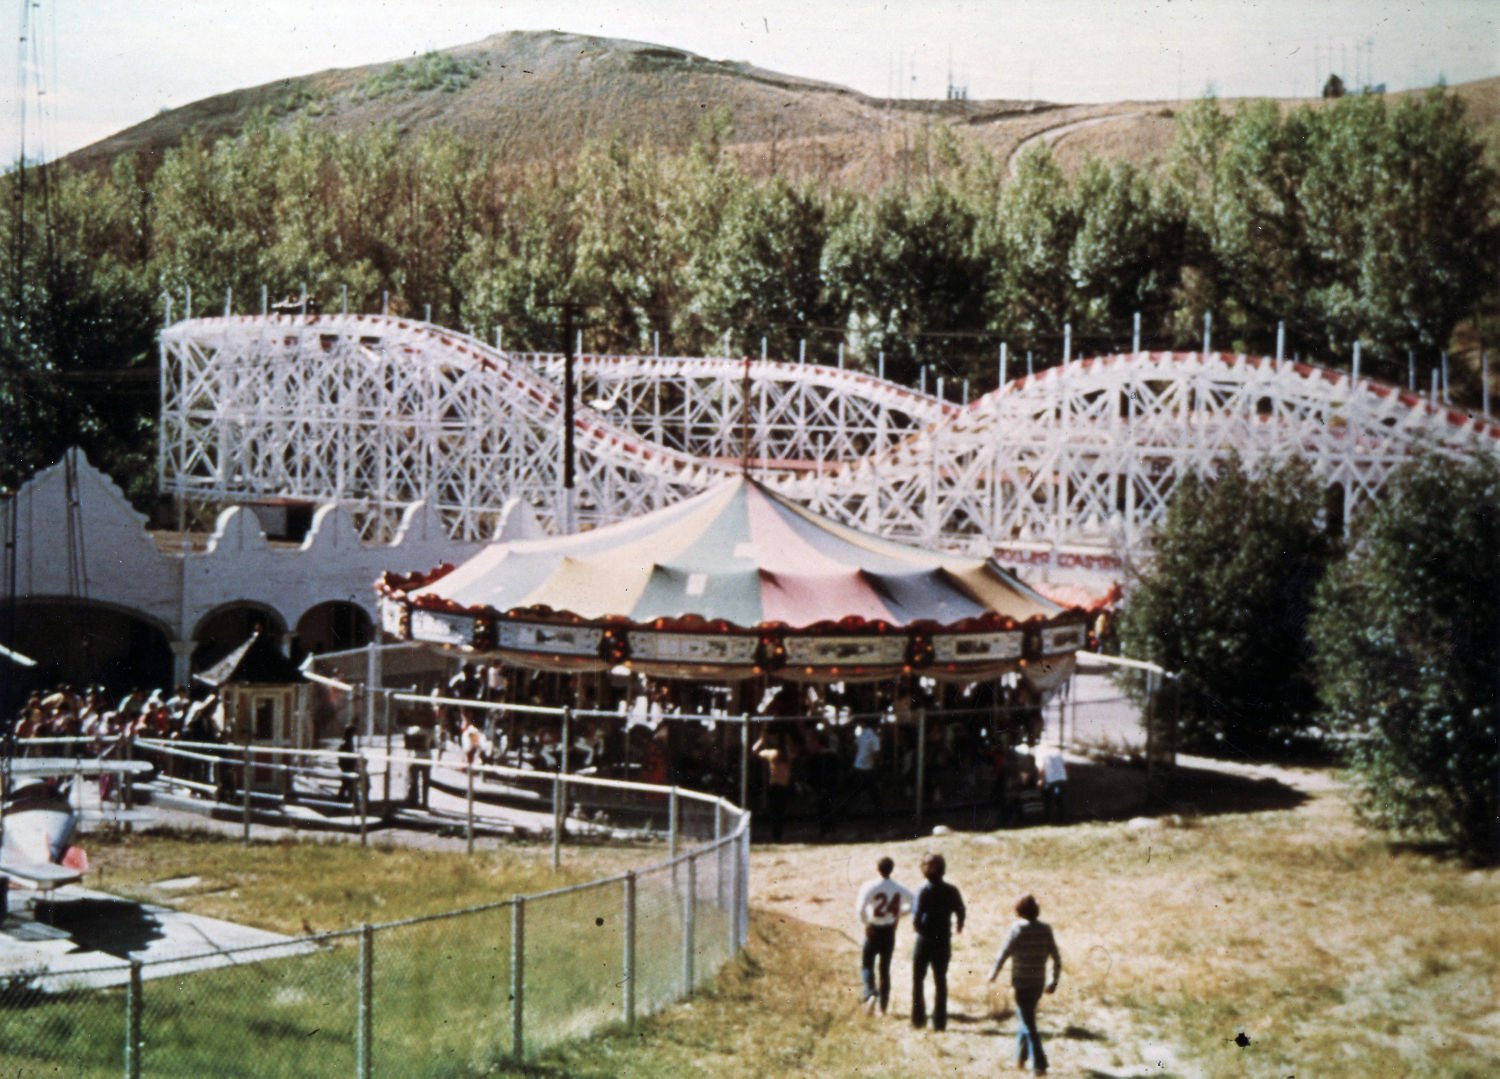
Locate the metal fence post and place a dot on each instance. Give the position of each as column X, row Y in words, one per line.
column 133, row 1022
column 742, row 883
column 689, row 909
column 630, row 949
column 385, row 714
column 363, row 798
column 363, row 1061
column 245, row 793
column 517, row 974
column 921, row 761
column 469, row 820
column 745, row 761
column 557, row 821
column 672, row 824
column 718, row 854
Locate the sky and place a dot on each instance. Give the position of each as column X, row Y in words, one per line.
column 89, row 68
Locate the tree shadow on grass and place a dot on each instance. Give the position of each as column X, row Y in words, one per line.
column 1114, row 791
column 1204, row 792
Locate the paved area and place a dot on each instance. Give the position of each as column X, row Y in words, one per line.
column 84, row 939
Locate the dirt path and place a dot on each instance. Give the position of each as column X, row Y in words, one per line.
column 1085, row 1033
column 1085, row 1036
column 1050, row 135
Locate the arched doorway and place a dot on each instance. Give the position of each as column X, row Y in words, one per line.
column 230, row 626
column 85, row 644
column 332, row 627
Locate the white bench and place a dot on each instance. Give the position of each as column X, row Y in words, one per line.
column 43, row 876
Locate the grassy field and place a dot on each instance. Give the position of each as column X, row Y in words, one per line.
column 1278, row 942
column 1274, row 943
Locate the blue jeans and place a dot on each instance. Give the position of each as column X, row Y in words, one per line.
column 1028, row 1034
column 934, row 954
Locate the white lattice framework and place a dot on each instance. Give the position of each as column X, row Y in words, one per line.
column 378, row 412
column 1088, row 453
column 801, row 416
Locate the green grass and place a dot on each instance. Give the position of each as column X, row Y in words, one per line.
column 432, row 71
column 441, row 1001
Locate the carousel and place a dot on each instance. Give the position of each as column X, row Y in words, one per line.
column 734, row 584
column 739, row 603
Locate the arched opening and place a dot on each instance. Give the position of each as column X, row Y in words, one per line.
column 228, row 627
column 84, row 644
column 332, row 627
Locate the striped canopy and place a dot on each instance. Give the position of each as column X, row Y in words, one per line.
column 737, row 558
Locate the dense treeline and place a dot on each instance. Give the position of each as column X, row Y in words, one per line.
column 1360, row 220
column 1384, row 644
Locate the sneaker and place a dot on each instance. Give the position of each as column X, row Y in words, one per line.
column 871, row 1003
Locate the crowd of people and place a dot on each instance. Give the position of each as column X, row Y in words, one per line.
column 938, row 913
column 91, row 713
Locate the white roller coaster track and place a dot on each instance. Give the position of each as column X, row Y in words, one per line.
column 378, row 412
column 800, row 415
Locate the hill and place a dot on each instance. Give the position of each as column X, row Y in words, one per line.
column 535, row 96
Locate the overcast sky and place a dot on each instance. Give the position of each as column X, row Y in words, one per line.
column 106, row 64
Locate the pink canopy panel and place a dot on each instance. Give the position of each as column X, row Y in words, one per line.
column 734, row 582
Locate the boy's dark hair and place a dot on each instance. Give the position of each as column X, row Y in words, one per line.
column 885, row 865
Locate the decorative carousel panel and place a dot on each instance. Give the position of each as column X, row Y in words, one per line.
column 440, row 628
column 545, row 637
column 976, row 647
column 393, row 617
column 846, row 651
column 1068, row 638
column 649, row 647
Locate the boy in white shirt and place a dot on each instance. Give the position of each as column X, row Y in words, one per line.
column 880, row 905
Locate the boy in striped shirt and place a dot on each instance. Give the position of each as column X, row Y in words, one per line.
column 1029, row 946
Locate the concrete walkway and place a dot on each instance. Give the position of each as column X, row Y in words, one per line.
column 83, row 939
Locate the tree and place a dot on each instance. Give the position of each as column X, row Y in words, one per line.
column 1357, row 220
column 1407, row 647
column 760, row 273
column 1224, row 604
column 905, row 268
column 1026, row 241
column 1127, row 253
column 73, row 319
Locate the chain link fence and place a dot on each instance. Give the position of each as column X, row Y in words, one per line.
column 453, row 993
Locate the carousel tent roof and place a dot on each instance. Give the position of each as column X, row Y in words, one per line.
column 737, row 553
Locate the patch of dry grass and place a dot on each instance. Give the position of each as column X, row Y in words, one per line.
column 333, row 885
column 1330, row 953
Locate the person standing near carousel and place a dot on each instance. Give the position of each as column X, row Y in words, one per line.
column 937, row 913
column 880, row 904
column 1028, row 947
